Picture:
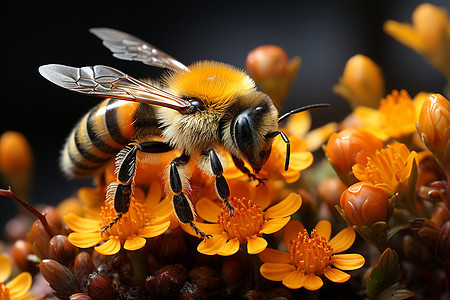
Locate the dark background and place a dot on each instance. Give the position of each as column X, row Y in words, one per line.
column 324, row 33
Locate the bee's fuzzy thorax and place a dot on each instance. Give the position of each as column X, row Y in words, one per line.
column 214, row 83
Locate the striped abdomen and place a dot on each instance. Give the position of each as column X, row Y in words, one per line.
column 102, row 133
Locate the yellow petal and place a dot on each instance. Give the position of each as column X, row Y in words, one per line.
column 212, row 229
column 299, row 124
column 274, row 225
column 256, row 245
column 163, row 209
column 343, row 240
column 285, row 208
column 229, row 248
column 5, row 267
column 208, row 210
column 312, row 282
column 323, row 228
column 276, row 272
column 85, row 239
column 153, row 230
column 79, row 224
column 405, row 34
column 291, row 175
column 300, row 160
column 210, row 246
column 274, row 256
column 315, row 138
column 19, row 285
column 112, row 246
column 348, row 261
column 154, row 195
column 336, row 275
column 294, row 280
column 369, row 116
column 291, row 231
column 134, row 242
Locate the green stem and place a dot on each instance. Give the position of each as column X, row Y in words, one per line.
column 139, row 266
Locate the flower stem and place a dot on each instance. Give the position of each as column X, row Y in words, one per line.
column 41, row 217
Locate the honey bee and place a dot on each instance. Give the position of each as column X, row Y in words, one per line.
column 196, row 109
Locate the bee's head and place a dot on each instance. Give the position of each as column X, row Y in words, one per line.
column 249, row 131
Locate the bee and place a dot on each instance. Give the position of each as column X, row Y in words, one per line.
column 196, row 109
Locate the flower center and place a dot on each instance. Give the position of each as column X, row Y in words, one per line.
column 310, row 255
column 4, row 292
column 246, row 221
column 134, row 219
column 399, row 115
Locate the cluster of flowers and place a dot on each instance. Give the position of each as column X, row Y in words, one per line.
column 391, row 161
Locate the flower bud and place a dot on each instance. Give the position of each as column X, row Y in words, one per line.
column 100, row 286
column 362, row 83
column 168, row 282
column 430, row 22
column 61, row 250
column 205, row 277
column 426, row 230
column 434, row 127
column 80, row 296
column 20, row 251
column 192, row 291
column 39, row 239
column 441, row 214
column 365, row 204
column 343, row 147
column 270, row 67
column 443, row 243
column 60, row 278
column 83, row 267
column 330, row 190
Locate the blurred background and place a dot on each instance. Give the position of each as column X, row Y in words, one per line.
column 325, row 34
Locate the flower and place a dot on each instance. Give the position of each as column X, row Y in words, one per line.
column 343, row 147
column 245, row 227
column 141, row 221
column 310, row 257
column 388, row 168
column 396, row 116
column 434, row 126
column 272, row 70
column 18, row 287
column 365, row 204
column 429, row 35
column 362, row 82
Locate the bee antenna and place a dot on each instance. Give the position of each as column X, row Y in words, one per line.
column 303, row 108
column 288, row 145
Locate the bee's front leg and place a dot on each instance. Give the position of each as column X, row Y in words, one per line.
column 239, row 163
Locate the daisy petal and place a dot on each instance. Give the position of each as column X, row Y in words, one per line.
column 301, row 160
column 276, row 272
column 210, row 246
column 285, row 208
column 112, row 246
column 79, row 224
column 154, row 196
column 213, row 229
column 274, row 256
column 207, row 210
column 19, row 285
column 312, row 282
column 274, row 225
column 134, row 242
column 348, row 261
column 256, row 245
column 299, row 124
column 153, row 230
column 85, row 239
column 6, row 267
column 294, row 280
column 323, row 228
column 291, row 231
column 336, row 275
column 230, row 248
column 343, row 240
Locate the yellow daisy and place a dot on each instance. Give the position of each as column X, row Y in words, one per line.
column 18, row 287
column 245, row 228
column 311, row 256
column 143, row 220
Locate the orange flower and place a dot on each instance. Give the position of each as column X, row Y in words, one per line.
column 365, row 204
column 434, row 126
column 246, row 227
column 362, row 82
column 141, row 221
column 388, row 168
column 18, row 287
column 310, row 257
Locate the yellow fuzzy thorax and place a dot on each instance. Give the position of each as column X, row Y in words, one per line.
column 213, row 83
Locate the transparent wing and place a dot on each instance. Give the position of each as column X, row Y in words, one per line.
column 105, row 81
column 128, row 47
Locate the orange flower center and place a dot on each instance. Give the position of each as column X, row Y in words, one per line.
column 398, row 113
column 134, row 219
column 4, row 292
column 310, row 255
column 245, row 222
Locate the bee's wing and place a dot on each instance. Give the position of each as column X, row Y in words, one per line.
column 128, row 47
column 105, row 81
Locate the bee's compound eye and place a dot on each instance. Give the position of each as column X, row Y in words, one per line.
column 243, row 135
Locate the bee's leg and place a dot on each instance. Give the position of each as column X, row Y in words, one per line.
column 181, row 204
column 221, row 185
column 241, row 166
column 121, row 190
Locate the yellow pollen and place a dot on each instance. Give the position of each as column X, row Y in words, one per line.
column 4, row 292
column 310, row 255
column 246, row 221
column 131, row 222
column 398, row 113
